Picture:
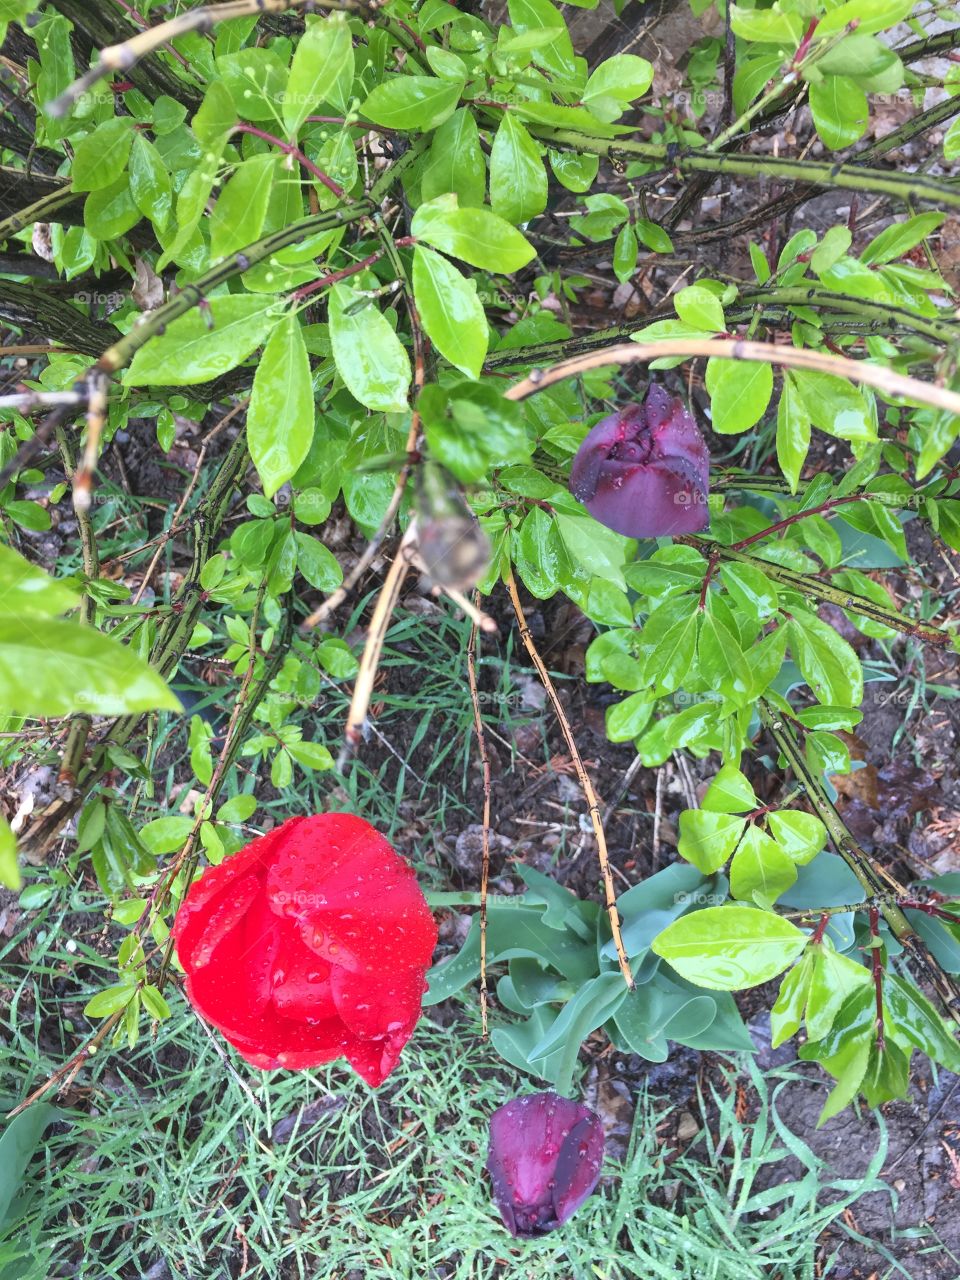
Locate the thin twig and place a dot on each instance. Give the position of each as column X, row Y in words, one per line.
column 885, row 380
column 121, row 57
column 227, row 418
column 586, row 784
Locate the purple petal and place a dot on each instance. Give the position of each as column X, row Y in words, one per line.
column 539, row 1176
column 645, row 471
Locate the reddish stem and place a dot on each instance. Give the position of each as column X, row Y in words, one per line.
column 817, row 936
column 336, row 276
column 797, row 515
column 291, row 150
column 804, row 44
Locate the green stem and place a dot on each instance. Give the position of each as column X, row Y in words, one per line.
column 847, row 175
column 817, row 590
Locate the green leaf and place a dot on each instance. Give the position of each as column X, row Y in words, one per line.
column 101, row 157
column 625, row 253
column 730, row 948
column 800, row 835
column 829, row 665
column 110, row 212
column 760, row 870
column 414, row 103
column 10, row 876
column 787, row 1012
column 321, row 71
column 110, row 1000
column 311, row 755
column 477, row 236
column 708, row 839
column 900, row 237
column 626, row 720
column 597, row 549
column 205, row 342
column 154, row 1002
column 616, row 83
column 238, row 808
column 52, row 668
column 20, row 1138
column 241, row 207
column 451, row 312
column 280, row 418
column 317, row 563
column 150, row 183
column 368, row 354
column 537, row 16
column 752, row 590
column 833, row 405
column 26, row 589
column 840, row 111
column 767, row 26
column 730, row 792
column 166, row 835
column 739, row 394
column 918, row 1022
column 456, row 163
column 256, row 80
column 471, row 427
column 699, row 307
column 518, row 180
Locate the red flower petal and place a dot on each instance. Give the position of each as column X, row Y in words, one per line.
column 309, row 944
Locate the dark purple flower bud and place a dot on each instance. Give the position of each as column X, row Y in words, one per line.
column 544, row 1160
column 645, row 471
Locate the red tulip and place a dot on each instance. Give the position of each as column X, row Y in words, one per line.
column 644, row 472
column 544, row 1160
column 310, row 943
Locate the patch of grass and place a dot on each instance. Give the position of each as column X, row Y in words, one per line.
column 176, row 1159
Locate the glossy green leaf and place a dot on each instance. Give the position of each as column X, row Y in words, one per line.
column 840, row 111
column 237, row 217
column 456, row 162
column 800, row 835
column 415, row 103
column 829, row 665
column 518, row 180
column 280, row 418
column 101, row 157
column 205, row 342
column 321, row 71
column 317, row 564
column 150, row 184
column 27, row 589
column 760, row 870
column 53, row 668
column 730, row 792
column 369, row 356
column 450, row 310
column 730, row 948
column 708, row 839
column 477, row 236
column 739, row 393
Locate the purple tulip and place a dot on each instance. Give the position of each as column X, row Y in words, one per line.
column 645, row 471
column 544, row 1160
